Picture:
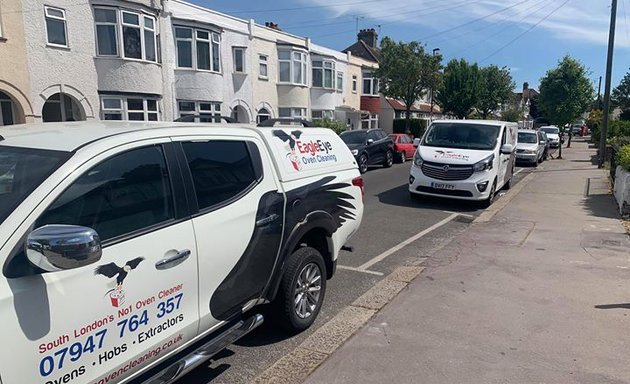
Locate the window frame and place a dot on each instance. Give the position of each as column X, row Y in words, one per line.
column 63, row 19
column 339, row 81
column 214, row 112
column 323, row 114
column 243, row 51
column 263, row 60
column 124, row 110
column 267, row 115
column 292, row 115
column 355, row 81
column 374, row 85
column 120, row 37
column 302, row 62
column 324, row 66
column 213, row 40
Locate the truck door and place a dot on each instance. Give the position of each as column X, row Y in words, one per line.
column 238, row 221
column 101, row 323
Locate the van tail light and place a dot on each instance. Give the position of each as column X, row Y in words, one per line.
column 358, row 182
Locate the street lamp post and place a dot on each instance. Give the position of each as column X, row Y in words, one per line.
column 435, row 51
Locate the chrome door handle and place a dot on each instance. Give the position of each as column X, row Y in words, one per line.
column 173, row 261
column 267, row 220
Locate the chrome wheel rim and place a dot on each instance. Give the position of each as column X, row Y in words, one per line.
column 403, row 157
column 390, row 158
column 363, row 163
column 307, row 290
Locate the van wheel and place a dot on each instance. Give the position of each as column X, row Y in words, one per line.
column 363, row 163
column 389, row 159
column 493, row 191
column 302, row 289
column 508, row 184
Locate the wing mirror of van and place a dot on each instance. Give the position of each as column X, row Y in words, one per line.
column 370, row 141
column 507, row 149
column 416, row 142
column 59, row 247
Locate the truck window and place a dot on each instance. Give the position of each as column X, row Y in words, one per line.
column 220, row 170
column 21, row 171
column 123, row 194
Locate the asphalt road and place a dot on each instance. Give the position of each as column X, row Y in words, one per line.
column 391, row 218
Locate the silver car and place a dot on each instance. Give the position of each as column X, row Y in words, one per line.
column 530, row 147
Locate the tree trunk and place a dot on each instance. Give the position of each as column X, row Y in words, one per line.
column 570, row 137
column 408, row 120
column 560, row 145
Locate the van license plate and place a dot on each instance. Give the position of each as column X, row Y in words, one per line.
column 442, row 186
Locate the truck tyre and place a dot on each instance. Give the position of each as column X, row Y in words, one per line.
column 302, row 289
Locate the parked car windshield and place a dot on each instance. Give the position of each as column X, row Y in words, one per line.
column 464, row 136
column 550, row 130
column 354, row 137
column 21, row 171
column 527, row 137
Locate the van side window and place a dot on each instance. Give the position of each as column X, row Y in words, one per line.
column 125, row 193
column 220, row 170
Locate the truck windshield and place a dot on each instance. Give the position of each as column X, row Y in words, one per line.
column 527, row 138
column 462, row 135
column 356, row 137
column 21, row 171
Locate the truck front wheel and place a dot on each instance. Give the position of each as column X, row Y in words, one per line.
column 302, row 289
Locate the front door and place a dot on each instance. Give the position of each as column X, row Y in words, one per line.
column 505, row 163
column 103, row 322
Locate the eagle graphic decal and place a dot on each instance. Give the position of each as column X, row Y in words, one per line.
column 117, row 295
column 259, row 258
column 290, row 139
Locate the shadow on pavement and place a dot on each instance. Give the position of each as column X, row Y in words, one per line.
column 614, row 306
column 205, row 373
column 602, row 206
column 399, row 196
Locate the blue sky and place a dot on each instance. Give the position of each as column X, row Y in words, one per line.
column 528, row 36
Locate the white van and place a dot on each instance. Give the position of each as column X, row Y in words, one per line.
column 464, row 159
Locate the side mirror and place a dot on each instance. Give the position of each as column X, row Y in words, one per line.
column 370, row 141
column 59, row 247
column 542, row 142
column 507, row 149
column 416, row 142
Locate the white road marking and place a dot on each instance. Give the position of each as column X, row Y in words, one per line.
column 360, row 270
column 519, row 171
column 460, row 214
column 410, row 240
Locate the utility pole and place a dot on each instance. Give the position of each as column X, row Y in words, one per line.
column 609, row 63
column 435, row 50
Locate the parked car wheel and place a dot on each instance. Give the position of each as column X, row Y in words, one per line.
column 363, row 163
column 493, row 191
column 389, row 159
column 302, row 289
column 402, row 157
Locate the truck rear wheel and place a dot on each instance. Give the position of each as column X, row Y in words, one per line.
column 302, row 289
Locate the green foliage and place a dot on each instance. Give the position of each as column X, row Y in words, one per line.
column 406, row 71
column 513, row 115
column 417, row 127
column 495, row 89
column 620, row 96
column 618, row 128
column 459, row 92
column 335, row 125
column 594, row 122
column 623, row 157
column 565, row 92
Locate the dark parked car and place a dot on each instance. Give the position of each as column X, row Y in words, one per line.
column 370, row 147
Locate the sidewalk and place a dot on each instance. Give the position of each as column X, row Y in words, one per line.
column 539, row 294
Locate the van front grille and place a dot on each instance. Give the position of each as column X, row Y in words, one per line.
column 446, row 171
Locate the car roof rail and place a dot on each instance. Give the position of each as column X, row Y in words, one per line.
column 191, row 119
column 272, row 122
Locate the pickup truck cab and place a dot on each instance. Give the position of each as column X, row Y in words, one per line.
column 123, row 245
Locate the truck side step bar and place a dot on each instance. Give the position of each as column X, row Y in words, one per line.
column 205, row 352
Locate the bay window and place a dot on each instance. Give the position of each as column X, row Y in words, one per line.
column 292, row 66
column 204, row 111
column 200, row 44
column 129, row 108
column 126, row 34
column 293, row 113
column 323, row 114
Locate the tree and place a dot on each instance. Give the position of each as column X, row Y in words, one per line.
column 512, row 114
column 335, row 125
column 495, row 89
column 406, row 72
column 620, row 96
column 459, row 91
column 565, row 93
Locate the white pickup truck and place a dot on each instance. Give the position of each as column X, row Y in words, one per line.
column 130, row 252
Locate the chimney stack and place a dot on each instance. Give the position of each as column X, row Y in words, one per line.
column 369, row 37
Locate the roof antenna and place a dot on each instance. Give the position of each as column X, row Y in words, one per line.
column 357, row 18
